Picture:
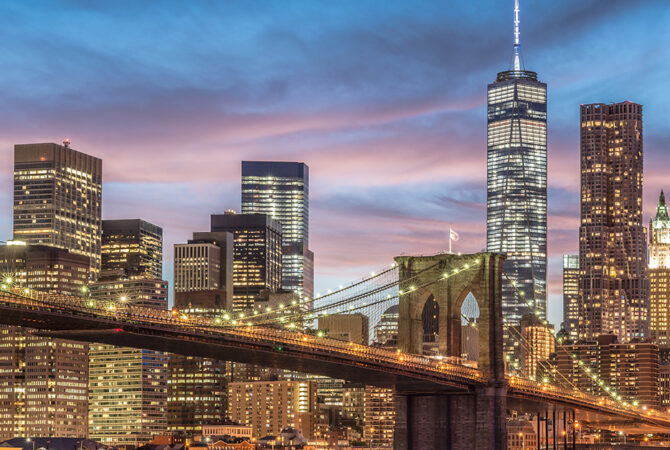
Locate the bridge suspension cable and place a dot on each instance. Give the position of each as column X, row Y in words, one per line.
column 597, row 382
column 385, row 294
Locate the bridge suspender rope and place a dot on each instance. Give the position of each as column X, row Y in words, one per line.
column 292, row 317
column 345, row 305
column 598, row 383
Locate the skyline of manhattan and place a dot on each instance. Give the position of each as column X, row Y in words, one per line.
column 436, row 122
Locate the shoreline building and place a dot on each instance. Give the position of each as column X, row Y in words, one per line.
column 659, row 275
column 516, row 219
column 281, row 190
column 613, row 282
column 270, row 406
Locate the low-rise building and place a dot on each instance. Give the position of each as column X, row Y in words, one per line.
column 270, row 406
column 630, row 370
column 228, row 429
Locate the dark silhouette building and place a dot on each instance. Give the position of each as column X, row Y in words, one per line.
column 257, row 254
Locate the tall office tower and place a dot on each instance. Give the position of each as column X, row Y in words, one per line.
column 269, row 406
column 57, row 203
column 571, row 295
column 257, row 250
column 128, row 386
column 659, row 275
column 516, row 222
column 613, row 282
column 281, row 189
column 131, row 248
column 43, row 382
column 58, row 199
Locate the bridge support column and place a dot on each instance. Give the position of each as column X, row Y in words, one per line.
column 474, row 421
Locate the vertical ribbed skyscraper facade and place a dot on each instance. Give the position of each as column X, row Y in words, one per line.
column 613, row 284
column 281, row 190
column 516, row 219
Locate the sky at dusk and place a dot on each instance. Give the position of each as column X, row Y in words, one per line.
column 384, row 100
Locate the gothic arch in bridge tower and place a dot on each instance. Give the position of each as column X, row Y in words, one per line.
column 448, row 279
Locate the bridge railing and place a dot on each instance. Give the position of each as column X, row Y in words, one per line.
column 132, row 314
column 537, row 389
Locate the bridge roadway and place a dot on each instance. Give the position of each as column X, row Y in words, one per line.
column 80, row 319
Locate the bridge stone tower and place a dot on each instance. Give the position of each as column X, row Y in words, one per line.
column 444, row 420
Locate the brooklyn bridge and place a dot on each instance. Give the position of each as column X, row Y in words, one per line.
column 442, row 401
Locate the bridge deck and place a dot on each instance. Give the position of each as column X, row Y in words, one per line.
column 79, row 319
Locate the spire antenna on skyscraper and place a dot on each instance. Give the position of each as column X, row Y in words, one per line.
column 517, row 40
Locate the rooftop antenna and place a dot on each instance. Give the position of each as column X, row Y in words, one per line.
column 517, row 43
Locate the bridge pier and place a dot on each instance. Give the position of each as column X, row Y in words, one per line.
column 474, row 420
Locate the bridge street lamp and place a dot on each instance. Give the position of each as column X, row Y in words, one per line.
column 29, row 440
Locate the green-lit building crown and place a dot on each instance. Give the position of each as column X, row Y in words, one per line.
column 662, row 219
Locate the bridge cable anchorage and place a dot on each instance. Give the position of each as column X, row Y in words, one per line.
column 598, row 383
column 314, row 314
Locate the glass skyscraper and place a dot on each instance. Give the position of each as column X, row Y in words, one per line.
column 517, row 185
column 281, row 190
